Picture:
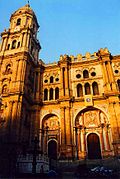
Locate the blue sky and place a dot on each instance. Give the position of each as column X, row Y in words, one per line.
column 71, row 26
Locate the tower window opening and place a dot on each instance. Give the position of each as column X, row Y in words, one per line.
column 51, row 79
column 8, row 69
column 118, row 83
column 51, row 93
column 18, row 21
column 116, row 71
column 78, row 76
column 85, row 74
column 57, row 93
column 45, row 94
column 4, row 89
column 18, row 45
column 93, row 74
column 87, row 88
column 8, row 47
column 79, row 90
column 95, row 88
column 14, row 44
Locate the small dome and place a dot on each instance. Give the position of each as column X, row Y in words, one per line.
column 24, row 9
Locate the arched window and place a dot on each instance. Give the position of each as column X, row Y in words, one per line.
column 51, row 79
column 51, row 93
column 95, row 88
column 8, row 69
column 8, row 47
column 18, row 45
column 85, row 74
column 118, row 83
column 18, row 21
column 4, row 89
column 14, row 44
column 87, row 88
column 57, row 93
column 79, row 90
column 45, row 94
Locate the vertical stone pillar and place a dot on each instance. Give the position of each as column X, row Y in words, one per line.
column 16, row 70
column 107, row 85
column 19, row 120
column 34, row 85
column 111, row 77
column 19, row 70
column 66, row 82
column 83, row 144
column 91, row 89
column 10, row 119
column 37, row 122
column 63, row 129
column 14, row 121
column 21, row 40
column 38, row 87
column 102, row 140
column 79, row 143
column 4, row 43
column 28, row 40
column 68, row 125
column 114, row 128
column 23, row 70
column 107, row 140
column 53, row 94
column 61, row 82
column 24, row 39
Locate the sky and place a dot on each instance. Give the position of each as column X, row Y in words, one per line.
column 71, row 26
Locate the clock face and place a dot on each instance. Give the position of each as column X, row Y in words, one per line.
column 88, row 99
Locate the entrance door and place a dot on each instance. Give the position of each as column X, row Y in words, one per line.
column 93, row 143
column 52, row 149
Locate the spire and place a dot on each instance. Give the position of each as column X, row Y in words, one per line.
column 28, row 2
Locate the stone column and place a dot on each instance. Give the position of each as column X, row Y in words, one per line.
column 37, row 121
column 68, row 125
column 53, row 94
column 102, row 139
column 21, row 40
column 110, row 73
column 28, row 40
column 4, row 43
column 16, row 70
column 107, row 140
column 19, row 120
column 10, row 119
column 38, row 87
column 83, row 140
column 79, row 143
column 91, row 89
column 25, row 39
column 20, row 64
column 66, row 82
column 114, row 121
column 63, row 129
column 105, row 77
column 14, row 121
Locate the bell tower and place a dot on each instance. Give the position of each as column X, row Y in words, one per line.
column 22, row 34
column 19, row 52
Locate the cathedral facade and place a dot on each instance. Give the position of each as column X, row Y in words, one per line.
column 72, row 106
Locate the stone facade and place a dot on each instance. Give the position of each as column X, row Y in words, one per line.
column 73, row 105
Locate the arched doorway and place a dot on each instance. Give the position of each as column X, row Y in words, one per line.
column 52, row 149
column 93, row 144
